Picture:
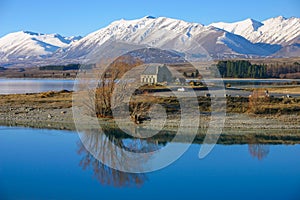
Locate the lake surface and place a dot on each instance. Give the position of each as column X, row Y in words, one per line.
column 21, row 86
column 260, row 81
column 51, row 164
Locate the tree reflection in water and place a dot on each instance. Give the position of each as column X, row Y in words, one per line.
column 259, row 151
column 109, row 176
column 106, row 175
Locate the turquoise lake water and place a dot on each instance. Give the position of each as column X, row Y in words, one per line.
column 51, row 164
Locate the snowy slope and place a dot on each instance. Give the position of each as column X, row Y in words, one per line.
column 278, row 30
column 249, row 38
column 166, row 33
column 25, row 44
column 241, row 45
column 148, row 30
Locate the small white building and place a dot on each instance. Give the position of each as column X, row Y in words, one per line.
column 156, row 73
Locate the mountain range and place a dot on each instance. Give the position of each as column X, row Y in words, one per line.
column 274, row 37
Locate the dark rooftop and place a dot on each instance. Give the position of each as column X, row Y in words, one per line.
column 151, row 70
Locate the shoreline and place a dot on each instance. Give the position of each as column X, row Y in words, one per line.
column 53, row 110
column 229, row 136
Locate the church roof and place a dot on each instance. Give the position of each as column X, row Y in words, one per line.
column 151, row 70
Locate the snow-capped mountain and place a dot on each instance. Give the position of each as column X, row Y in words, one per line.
column 249, row 38
column 167, row 33
column 148, row 30
column 27, row 45
column 277, row 30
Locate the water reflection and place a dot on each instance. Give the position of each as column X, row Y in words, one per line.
column 34, row 160
column 109, row 176
column 259, row 151
column 112, row 140
column 108, row 145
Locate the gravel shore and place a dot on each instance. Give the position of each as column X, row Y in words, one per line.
column 53, row 110
column 62, row 118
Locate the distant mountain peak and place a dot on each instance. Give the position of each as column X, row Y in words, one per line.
column 276, row 30
column 246, row 38
column 238, row 27
column 24, row 45
column 280, row 17
column 253, row 23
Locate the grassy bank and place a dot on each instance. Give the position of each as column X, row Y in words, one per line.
column 274, row 121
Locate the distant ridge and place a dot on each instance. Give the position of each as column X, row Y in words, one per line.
column 274, row 37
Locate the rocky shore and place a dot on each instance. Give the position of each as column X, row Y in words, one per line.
column 53, row 110
column 40, row 110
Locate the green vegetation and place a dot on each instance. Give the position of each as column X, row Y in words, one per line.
column 241, row 69
column 244, row 69
column 60, row 67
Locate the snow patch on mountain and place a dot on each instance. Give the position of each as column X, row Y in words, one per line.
column 242, row 46
column 240, row 28
column 278, row 30
column 156, row 32
column 27, row 44
column 247, row 38
column 173, row 34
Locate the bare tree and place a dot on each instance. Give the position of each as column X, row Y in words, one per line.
column 109, row 81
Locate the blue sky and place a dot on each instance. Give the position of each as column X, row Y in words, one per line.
column 82, row 17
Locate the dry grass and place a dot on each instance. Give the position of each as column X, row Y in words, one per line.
column 285, row 90
column 63, row 99
column 45, row 100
